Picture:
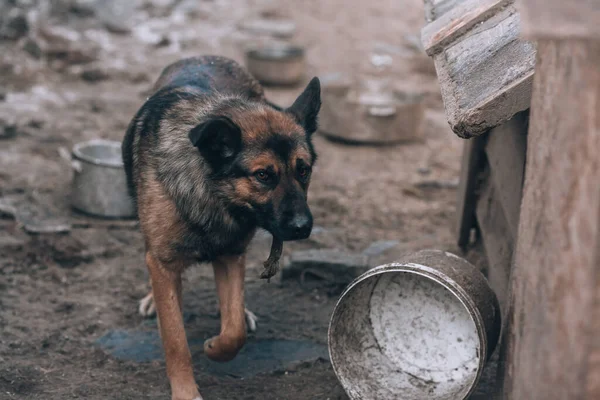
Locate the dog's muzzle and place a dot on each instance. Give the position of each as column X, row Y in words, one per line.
column 297, row 228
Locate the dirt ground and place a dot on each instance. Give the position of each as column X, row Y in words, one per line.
column 59, row 292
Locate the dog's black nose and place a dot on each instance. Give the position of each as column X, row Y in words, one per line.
column 301, row 226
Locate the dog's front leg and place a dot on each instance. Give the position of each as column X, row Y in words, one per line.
column 166, row 288
column 229, row 277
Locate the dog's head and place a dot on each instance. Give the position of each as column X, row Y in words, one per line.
column 262, row 158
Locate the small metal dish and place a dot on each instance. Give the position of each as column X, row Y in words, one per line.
column 99, row 181
column 277, row 65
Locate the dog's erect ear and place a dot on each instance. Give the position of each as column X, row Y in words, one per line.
column 219, row 139
column 306, row 107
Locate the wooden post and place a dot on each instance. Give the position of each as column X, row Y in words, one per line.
column 551, row 344
column 472, row 153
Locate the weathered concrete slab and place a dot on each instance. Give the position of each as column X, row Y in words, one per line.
column 333, row 265
column 379, row 247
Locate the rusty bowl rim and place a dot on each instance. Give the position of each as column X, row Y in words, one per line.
column 437, row 276
column 78, row 154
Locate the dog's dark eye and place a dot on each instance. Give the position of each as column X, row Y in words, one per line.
column 303, row 172
column 263, row 175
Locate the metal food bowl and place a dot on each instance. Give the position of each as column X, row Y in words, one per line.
column 99, row 182
column 352, row 112
column 277, row 64
column 422, row 328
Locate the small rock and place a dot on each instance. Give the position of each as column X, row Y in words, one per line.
column 82, row 8
column 7, row 130
column 48, row 95
column 378, row 248
column 36, row 123
column 2, row 95
column 424, row 170
column 161, row 3
column 381, row 60
column 414, row 192
column 66, row 45
column 35, row 213
column 7, row 210
column 335, row 265
column 191, row 9
column 316, row 230
column 46, row 226
column 164, row 41
column 13, row 25
column 146, row 35
column 31, row 47
column 10, row 242
column 60, row 34
column 116, row 26
column 115, row 14
column 138, row 77
column 438, row 184
column 25, row 3
column 93, row 75
column 96, row 107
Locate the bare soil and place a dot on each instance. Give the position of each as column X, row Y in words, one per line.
column 60, row 292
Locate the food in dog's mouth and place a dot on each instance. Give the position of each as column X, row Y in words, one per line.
column 272, row 263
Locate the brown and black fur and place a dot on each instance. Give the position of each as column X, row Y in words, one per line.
column 208, row 161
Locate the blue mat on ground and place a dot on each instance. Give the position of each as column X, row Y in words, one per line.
column 257, row 356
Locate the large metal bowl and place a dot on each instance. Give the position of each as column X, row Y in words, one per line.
column 99, row 182
column 353, row 115
column 421, row 328
column 277, row 64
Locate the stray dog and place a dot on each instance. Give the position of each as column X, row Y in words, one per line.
column 208, row 161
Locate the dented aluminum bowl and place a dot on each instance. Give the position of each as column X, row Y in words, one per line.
column 421, row 328
column 99, row 181
column 366, row 111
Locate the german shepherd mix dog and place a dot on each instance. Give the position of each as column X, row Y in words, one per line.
column 208, row 161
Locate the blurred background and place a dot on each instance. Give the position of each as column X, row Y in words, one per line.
column 76, row 70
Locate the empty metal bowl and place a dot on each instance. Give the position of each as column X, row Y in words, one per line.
column 99, row 182
column 422, row 328
column 277, row 64
column 364, row 111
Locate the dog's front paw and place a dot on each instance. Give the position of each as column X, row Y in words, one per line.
column 224, row 348
column 183, row 388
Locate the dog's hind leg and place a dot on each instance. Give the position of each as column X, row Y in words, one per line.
column 166, row 291
column 146, row 308
column 251, row 319
column 229, row 278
